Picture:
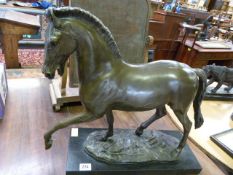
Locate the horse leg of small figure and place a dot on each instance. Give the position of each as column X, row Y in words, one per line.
column 187, row 124
column 160, row 112
column 228, row 88
column 110, row 120
column 217, row 87
column 210, row 81
column 62, row 124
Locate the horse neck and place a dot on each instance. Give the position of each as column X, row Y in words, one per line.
column 94, row 57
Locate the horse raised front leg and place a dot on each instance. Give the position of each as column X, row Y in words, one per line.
column 62, row 124
column 160, row 112
column 110, row 119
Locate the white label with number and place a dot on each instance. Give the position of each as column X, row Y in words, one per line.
column 85, row 167
column 74, row 132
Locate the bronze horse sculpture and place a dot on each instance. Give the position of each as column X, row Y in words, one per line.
column 108, row 83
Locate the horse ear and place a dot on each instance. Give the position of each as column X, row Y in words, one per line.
column 50, row 14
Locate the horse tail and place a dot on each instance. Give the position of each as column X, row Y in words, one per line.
column 199, row 97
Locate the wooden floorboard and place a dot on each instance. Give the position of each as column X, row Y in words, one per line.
column 29, row 115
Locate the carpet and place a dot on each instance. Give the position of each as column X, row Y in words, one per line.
column 28, row 58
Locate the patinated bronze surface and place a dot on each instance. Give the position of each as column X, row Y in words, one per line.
column 221, row 75
column 108, row 83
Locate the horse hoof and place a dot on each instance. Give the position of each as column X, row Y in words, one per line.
column 199, row 122
column 138, row 132
column 175, row 153
column 49, row 144
column 103, row 139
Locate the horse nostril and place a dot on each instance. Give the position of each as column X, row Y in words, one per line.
column 43, row 69
column 49, row 76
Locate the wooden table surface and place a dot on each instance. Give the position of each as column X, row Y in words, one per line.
column 29, row 115
column 20, row 18
column 199, row 57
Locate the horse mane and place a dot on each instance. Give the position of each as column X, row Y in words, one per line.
column 93, row 20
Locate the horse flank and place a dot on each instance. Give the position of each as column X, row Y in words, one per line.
column 86, row 16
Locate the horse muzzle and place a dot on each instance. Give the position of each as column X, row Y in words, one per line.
column 48, row 74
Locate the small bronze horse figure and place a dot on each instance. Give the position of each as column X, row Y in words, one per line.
column 108, row 83
column 221, row 75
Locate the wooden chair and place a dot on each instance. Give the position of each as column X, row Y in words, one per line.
column 191, row 32
column 128, row 21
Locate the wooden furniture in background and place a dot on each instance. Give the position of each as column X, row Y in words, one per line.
column 198, row 16
column 189, row 31
column 61, row 92
column 197, row 56
column 12, row 26
column 164, row 27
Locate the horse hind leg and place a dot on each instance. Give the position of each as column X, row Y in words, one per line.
column 110, row 120
column 160, row 112
column 187, row 124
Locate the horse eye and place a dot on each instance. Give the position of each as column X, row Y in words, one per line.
column 53, row 41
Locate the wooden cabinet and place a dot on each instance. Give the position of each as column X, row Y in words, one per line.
column 12, row 26
column 199, row 57
column 164, row 27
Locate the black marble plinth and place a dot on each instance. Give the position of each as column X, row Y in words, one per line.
column 218, row 97
column 186, row 163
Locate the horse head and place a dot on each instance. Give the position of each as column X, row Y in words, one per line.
column 207, row 70
column 59, row 45
column 213, row 70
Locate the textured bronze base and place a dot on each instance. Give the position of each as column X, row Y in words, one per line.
column 126, row 147
column 186, row 163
